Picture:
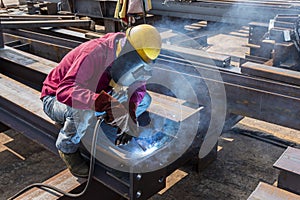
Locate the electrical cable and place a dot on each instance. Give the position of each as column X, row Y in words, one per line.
column 271, row 139
column 89, row 178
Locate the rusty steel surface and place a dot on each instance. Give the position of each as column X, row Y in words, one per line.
column 232, row 78
column 262, row 99
column 264, row 90
column 63, row 180
column 289, row 181
column 289, row 166
column 201, row 57
column 289, row 161
column 10, row 17
column 239, row 12
column 213, row 10
column 265, row 191
column 272, row 73
column 32, row 78
column 276, row 43
column 61, row 33
column 46, row 23
column 20, row 109
column 43, row 37
column 47, row 49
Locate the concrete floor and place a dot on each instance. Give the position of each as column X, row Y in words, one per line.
column 241, row 163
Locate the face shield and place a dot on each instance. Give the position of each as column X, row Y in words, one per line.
column 129, row 67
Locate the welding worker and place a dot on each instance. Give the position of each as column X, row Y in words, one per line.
column 91, row 79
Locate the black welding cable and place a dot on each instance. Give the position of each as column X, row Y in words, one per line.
column 268, row 138
column 89, row 178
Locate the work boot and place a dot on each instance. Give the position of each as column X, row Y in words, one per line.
column 75, row 163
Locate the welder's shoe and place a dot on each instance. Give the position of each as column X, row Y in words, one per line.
column 75, row 163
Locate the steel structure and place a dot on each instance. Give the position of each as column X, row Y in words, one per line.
column 268, row 98
column 238, row 12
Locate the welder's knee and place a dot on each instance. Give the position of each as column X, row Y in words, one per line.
column 145, row 103
column 147, row 99
column 144, row 119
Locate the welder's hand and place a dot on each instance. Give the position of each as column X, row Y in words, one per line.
column 116, row 114
column 123, row 139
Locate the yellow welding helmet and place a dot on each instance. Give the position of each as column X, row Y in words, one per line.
column 146, row 40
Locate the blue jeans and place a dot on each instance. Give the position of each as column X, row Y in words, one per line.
column 76, row 122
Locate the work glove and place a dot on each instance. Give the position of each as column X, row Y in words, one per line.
column 125, row 137
column 132, row 111
column 116, row 114
column 133, row 124
column 132, row 131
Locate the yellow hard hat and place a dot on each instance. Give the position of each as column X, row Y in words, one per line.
column 146, row 40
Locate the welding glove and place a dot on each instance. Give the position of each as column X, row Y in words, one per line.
column 133, row 124
column 116, row 114
column 123, row 138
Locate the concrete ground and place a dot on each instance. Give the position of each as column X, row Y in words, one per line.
column 241, row 164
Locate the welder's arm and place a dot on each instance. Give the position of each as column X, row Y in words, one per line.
column 116, row 114
column 136, row 93
column 132, row 131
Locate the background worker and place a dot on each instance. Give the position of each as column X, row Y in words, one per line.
column 106, row 76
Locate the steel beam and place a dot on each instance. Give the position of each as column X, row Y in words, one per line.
column 49, row 50
column 10, row 17
column 266, row 191
column 43, row 37
column 26, row 68
column 171, row 51
column 261, row 99
column 1, row 36
column 3, row 127
column 273, row 73
column 289, row 175
column 20, row 110
column 47, row 23
column 60, row 33
column 230, row 12
column 230, row 76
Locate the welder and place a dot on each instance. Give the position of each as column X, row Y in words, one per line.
column 104, row 76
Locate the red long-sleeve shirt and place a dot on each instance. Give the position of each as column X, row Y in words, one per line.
column 82, row 74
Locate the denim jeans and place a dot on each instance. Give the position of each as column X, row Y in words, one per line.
column 76, row 122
